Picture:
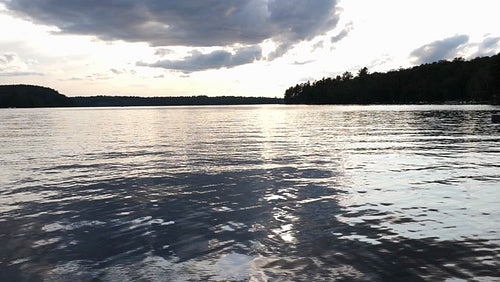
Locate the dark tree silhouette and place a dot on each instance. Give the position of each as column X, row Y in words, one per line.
column 29, row 96
column 474, row 81
column 120, row 101
column 363, row 72
column 347, row 76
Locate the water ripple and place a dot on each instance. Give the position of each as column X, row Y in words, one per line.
column 250, row 193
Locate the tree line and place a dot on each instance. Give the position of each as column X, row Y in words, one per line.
column 474, row 81
column 31, row 96
column 201, row 100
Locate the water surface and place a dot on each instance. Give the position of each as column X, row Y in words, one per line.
column 262, row 193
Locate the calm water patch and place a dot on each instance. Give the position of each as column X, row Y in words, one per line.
column 262, row 193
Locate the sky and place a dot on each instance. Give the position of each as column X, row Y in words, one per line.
column 230, row 47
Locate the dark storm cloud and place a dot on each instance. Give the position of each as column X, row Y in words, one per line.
column 439, row 50
column 192, row 23
column 214, row 60
column 185, row 23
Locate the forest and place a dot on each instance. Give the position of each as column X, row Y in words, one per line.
column 31, row 96
column 120, row 101
column 457, row 81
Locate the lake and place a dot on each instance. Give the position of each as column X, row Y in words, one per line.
column 259, row 193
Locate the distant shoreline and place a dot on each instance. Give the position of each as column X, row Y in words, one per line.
column 31, row 96
column 134, row 101
column 255, row 104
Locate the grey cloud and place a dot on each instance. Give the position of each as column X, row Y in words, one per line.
column 7, row 58
column 198, row 61
column 318, row 45
column 185, row 23
column 280, row 50
column 297, row 63
column 115, row 71
column 341, row 35
column 97, row 76
column 12, row 65
column 21, row 73
column 71, row 79
column 439, row 50
column 488, row 47
column 122, row 71
column 307, row 79
column 163, row 52
column 490, row 42
column 88, row 77
column 194, row 23
column 374, row 64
